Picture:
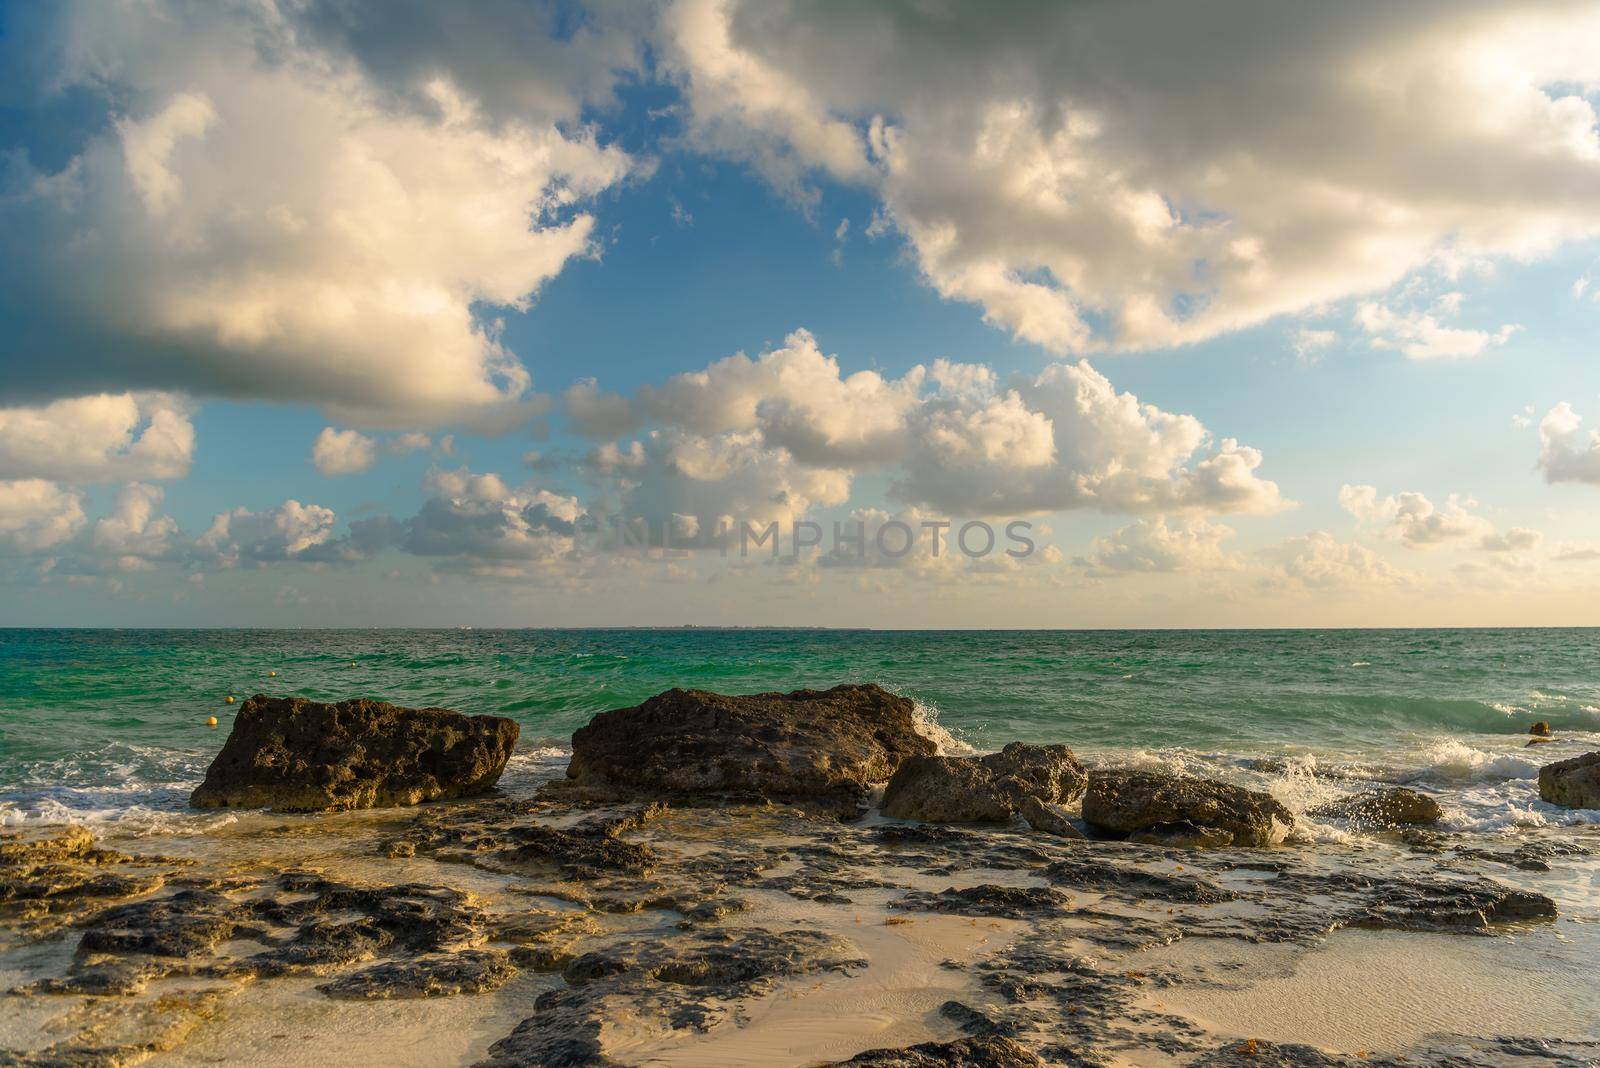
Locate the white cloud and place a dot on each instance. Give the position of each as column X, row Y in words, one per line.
column 1566, row 453
column 953, row 438
column 343, row 452
column 596, row 413
column 267, row 217
column 1156, row 544
column 1413, row 520
column 290, row 531
column 1310, row 345
column 1515, row 540
column 102, row 438
column 133, row 532
column 1320, row 561
column 1576, row 551
column 720, row 480
column 1127, row 176
column 478, row 518
column 798, row 399
column 1421, row 336
column 1067, row 439
column 36, row 514
column 412, row 441
column 350, row 452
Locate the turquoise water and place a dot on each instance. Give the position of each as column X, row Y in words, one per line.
column 95, row 724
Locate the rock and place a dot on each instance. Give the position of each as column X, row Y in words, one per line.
column 1542, row 729
column 827, row 744
column 1574, row 783
column 1449, row 905
column 473, row 971
column 73, row 843
column 939, row 789
column 722, row 962
column 989, row 899
column 1183, row 835
column 1133, row 883
column 1126, row 802
column 1048, row 819
column 1385, row 808
column 190, row 923
column 294, row 755
column 984, row 1051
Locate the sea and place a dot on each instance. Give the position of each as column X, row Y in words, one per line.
column 111, row 726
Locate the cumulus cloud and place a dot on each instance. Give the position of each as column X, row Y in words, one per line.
column 36, row 514
column 1320, row 561
column 953, row 436
column 1568, row 552
column 1421, row 336
column 1413, row 520
column 1068, row 439
column 290, row 531
column 798, row 399
column 1112, row 175
column 1515, row 540
column 1566, row 453
column 712, row 481
column 267, row 214
column 343, row 452
column 597, row 414
column 134, row 533
column 102, row 438
column 1159, row 544
column 350, row 452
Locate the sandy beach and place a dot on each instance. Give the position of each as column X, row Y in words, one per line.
column 539, row 927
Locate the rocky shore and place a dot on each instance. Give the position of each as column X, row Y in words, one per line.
column 775, row 879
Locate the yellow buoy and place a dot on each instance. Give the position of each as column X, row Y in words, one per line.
column 352, row 663
column 230, row 698
column 272, row 674
column 211, row 721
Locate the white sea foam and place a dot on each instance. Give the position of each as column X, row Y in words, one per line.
column 1452, row 760
column 945, row 743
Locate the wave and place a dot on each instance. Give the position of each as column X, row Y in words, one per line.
column 1456, row 761
column 945, row 743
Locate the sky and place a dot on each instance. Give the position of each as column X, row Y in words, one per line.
column 359, row 313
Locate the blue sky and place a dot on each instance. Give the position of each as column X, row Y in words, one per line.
column 259, row 232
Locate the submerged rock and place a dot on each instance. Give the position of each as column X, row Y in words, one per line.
column 993, row 788
column 985, row 1051
column 1128, row 802
column 294, row 755
column 1183, row 835
column 1385, row 808
column 1574, row 783
column 829, row 744
column 1448, row 905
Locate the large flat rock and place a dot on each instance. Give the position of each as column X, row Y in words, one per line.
column 806, row 744
column 291, row 754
